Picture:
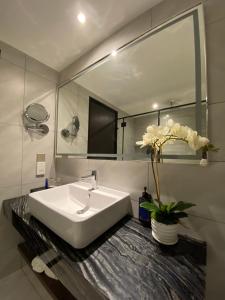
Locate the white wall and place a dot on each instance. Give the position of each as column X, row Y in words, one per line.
column 203, row 186
column 23, row 81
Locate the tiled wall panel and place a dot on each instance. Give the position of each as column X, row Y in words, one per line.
column 23, row 81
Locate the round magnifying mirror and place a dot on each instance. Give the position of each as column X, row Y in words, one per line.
column 36, row 113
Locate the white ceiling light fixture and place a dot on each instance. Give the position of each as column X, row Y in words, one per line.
column 81, row 18
column 114, row 53
column 155, row 106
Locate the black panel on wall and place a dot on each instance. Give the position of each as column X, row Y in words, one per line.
column 102, row 128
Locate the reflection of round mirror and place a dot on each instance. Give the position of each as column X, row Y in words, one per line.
column 36, row 113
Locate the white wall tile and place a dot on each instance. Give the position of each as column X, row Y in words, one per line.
column 127, row 176
column 167, row 10
column 11, row 261
column 15, row 143
column 32, row 145
column 38, row 68
column 8, row 233
column 10, row 155
column 12, row 55
column 17, row 286
column 214, row 10
column 35, row 282
column 11, row 92
column 192, row 183
column 10, row 257
column 9, row 192
column 26, row 188
column 42, row 91
column 71, row 167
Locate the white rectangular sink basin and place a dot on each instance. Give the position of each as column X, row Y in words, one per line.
column 76, row 214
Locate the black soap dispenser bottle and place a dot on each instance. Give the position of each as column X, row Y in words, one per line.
column 144, row 215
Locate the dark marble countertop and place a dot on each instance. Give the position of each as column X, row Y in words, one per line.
column 124, row 263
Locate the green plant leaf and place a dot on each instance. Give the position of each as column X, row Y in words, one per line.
column 170, row 206
column 155, row 215
column 180, row 206
column 210, row 147
column 166, row 218
column 180, row 215
column 168, row 213
column 149, row 206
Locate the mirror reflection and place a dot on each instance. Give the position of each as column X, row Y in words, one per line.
column 160, row 75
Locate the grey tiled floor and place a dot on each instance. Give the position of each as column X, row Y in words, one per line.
column 16, row 286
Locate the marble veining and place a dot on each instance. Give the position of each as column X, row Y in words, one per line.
column 124, row 263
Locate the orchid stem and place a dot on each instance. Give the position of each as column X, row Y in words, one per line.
column 155, row 174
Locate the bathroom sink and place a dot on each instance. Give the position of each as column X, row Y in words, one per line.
column 77, row 214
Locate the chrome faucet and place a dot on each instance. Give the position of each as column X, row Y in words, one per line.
column 92, row 179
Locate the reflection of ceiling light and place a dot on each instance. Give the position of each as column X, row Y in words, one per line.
column 81, row 18
column 155, row 106
column 114, row 53
column 166, row 116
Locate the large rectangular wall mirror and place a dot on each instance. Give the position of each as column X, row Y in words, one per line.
column 105, row 109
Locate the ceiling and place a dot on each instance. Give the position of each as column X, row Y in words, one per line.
column 48, row 30
column 159, row 70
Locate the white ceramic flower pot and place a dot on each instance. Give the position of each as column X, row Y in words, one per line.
column 164, row 234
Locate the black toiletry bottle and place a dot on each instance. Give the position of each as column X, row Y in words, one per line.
column 144, row 215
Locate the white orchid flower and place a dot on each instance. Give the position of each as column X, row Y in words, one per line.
column 170, row 123
column 203, row 141
column 158, row 136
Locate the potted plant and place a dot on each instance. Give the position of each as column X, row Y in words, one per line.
column 165, row 217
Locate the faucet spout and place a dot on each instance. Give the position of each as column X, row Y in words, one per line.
column 92, row 179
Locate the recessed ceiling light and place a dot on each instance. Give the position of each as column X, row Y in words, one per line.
column 81, row 18
column 155, row 105
column 114, row 53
